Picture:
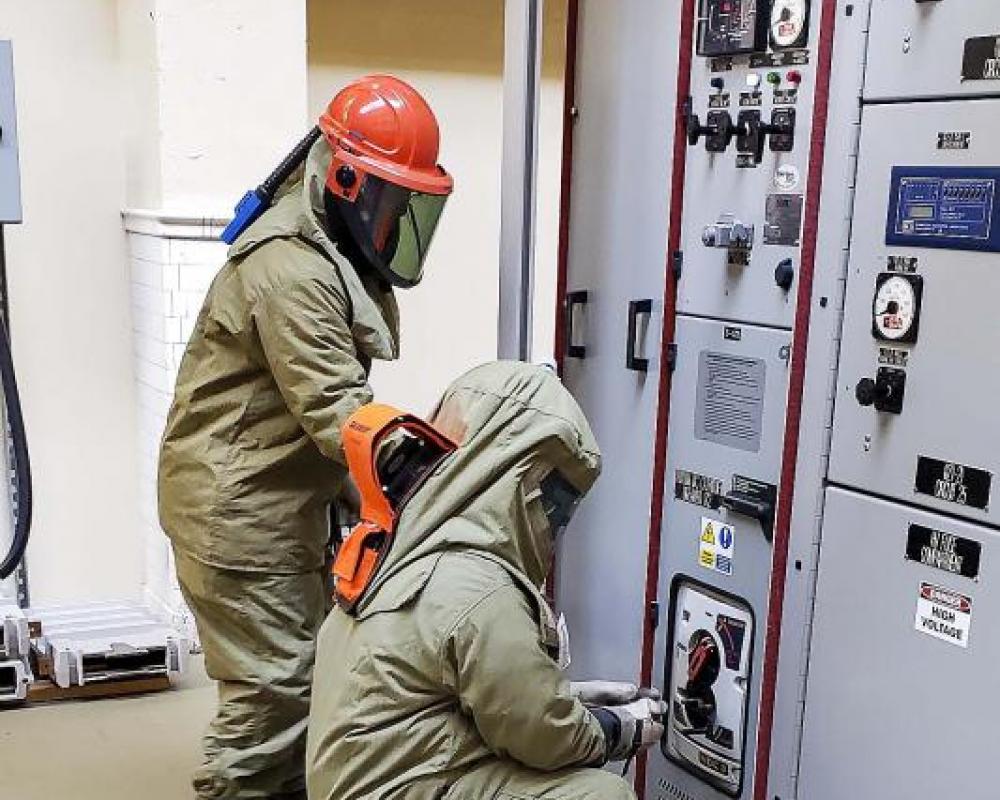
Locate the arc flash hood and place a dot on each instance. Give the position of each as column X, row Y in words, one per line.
column 525, row 455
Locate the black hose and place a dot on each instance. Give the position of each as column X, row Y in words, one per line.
column 22, row 465
column 288, row 164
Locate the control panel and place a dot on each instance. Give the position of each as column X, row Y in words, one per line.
column 919, row 327
column 10, row 176
column 748, row 124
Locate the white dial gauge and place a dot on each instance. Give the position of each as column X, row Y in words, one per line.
column 788, row 22
column 895, row 308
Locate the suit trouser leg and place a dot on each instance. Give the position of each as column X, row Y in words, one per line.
column 258, row 632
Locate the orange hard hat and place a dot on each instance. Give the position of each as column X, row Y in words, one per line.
column 384, row 177
column 381, row 125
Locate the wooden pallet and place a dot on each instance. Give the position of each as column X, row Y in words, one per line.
column 45, row 691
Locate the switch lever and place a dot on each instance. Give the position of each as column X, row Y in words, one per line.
column 749, row 506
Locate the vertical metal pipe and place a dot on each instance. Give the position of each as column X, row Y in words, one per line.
column 521, row 78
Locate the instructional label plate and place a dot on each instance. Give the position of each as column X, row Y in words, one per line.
column 715, row 546
column 783, row 219
column 953, row 483
column 944, row 614
column 943, row 551
column 730, row 400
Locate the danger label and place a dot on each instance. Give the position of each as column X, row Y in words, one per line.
column 944, row 614
column 715, row 546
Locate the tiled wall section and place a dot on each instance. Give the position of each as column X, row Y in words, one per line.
column 172, row 261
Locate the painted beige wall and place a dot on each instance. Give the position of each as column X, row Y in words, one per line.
column 215, row 95
column 70, row 301
column 453, row 53
column 139, row 103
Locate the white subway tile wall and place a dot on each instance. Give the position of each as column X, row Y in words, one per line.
column 169, row 277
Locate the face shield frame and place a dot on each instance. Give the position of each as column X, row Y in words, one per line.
column 390, row 454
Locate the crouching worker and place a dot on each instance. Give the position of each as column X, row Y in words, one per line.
column 438, row 676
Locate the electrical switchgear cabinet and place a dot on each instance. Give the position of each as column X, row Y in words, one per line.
column 10, row 178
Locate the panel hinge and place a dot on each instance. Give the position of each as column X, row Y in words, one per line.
column 671, row 356
column 654, row 614
column 677, row 263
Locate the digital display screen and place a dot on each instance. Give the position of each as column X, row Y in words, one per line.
column 922, row 212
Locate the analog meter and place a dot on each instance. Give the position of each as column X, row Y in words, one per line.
column 896, row 308
column 789, row 23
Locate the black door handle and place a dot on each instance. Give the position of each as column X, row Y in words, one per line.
column 635, row 308
column 574, row 299
column 753, row 507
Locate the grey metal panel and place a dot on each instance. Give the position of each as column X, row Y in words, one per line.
column 521, row 71
column 948, row 411
column 891, row 712
column 682, row 520
column 626, row 71
column 917, row 47
column 840, row 162
column 10, row 176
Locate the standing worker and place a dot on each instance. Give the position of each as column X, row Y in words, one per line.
column 251, row 458
column 438, row 677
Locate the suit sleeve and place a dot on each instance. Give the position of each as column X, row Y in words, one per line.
column 307, row 342
column 509, row 685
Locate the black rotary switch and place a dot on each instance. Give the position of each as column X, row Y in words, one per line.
column 885, row 392
column 695, row 130
column 784, row 274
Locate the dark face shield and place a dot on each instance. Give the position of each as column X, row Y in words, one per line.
column 393, row 227
column 559, row 500
column 402, row 462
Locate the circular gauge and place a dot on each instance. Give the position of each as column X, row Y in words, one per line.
column 788, row 22
column 895, row 308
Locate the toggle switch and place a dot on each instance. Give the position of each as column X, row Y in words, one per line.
column 718, row 83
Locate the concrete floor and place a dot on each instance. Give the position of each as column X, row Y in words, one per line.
column 142, row 748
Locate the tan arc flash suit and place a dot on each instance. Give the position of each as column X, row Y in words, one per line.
column 251, row 459
column 444, row 684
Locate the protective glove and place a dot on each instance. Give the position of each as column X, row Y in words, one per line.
column 604, row 693
column 640, row 726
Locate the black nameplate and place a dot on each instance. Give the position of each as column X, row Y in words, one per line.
column 981, row 60
column 953, row 483
column 943, row 551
